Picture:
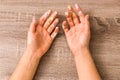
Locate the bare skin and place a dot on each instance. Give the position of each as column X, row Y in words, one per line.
column 78, row 37
column 41, row 35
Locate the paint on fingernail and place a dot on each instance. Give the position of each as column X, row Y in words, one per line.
column 80, row 12
column 76, row 5
column 69, row 7
column 66, row 13
column 49, row 11
column 74, row 15
column 51, row 18
column 55, row 12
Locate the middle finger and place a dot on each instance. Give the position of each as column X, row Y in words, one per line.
column 74, row 15
column 50, row 20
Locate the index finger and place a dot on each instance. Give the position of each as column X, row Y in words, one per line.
column 44, row 17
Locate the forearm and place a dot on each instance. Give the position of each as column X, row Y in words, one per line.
column 85, row 66
column 27, row 66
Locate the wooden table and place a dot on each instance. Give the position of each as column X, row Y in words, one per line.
column 58, row 62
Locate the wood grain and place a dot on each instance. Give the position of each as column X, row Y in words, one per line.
column 58, row 62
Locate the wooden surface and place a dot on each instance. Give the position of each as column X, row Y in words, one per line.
column 58, row 63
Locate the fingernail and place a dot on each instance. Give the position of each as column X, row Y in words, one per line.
column 77, row 6
column 55, row 12
column 57, row 29
column 87, row 16
column 74, row 15
column 57, row 20
column 69, row 7
column 64, row 27
column 49, row 11
column 80, row 12
column 66, row 13
column 34, row 20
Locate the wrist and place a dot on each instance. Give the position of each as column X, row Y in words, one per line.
column 81, row 52
column 37, row 54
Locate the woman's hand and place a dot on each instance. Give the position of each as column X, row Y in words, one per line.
column 40, row 36
column 78, row 36
column 42, row 33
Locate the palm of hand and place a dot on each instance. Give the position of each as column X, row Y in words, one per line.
column 77, row 37
column 42, row 33
column 40, row 41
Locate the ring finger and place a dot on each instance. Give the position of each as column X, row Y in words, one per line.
column 74, row 16
column 52, row 26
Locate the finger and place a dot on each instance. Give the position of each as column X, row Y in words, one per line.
column 80, row 13
column 69, row 19
column 74, row 16
column 55, row 32
column 64, row 26
column 87, row 23
column 44, row 17
column 50, row 20
column 33, row 25
column 69, row 7
column 53, row 25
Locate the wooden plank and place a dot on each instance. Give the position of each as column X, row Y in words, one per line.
column 58, row 63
